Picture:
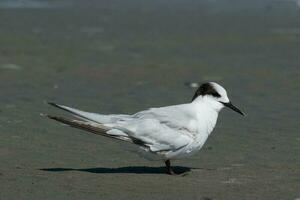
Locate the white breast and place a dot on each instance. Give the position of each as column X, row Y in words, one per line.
column 206, row 119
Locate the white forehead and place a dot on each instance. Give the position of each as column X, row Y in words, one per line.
column 220, row 90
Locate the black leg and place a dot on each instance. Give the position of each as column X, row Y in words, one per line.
column 168, row 166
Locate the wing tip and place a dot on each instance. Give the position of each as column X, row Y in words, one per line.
column 62, row 120
column 60, row 107
column 53, row 104
column 52, row 117
column 49, row 116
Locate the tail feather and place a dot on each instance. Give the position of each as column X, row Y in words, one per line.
column 78, row 113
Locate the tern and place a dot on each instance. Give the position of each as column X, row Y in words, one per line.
column 166, row 133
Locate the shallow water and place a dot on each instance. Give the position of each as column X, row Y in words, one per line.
column 121, row 57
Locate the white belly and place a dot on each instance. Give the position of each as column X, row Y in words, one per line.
column 188, row 150
column 204, row 127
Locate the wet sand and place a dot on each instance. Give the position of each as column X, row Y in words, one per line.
column 117, row 57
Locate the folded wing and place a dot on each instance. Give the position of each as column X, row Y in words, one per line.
column 153, row 130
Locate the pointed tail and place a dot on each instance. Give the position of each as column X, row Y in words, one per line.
column 92, row 117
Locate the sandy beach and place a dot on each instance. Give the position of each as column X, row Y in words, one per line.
column 126, row 56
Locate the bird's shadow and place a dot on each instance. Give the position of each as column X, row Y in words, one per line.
column 127, row 170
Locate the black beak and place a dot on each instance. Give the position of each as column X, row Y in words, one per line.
column 231, row 106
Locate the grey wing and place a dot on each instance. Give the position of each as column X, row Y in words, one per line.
column 154, row 129
column 99, row 129
column 160, row 128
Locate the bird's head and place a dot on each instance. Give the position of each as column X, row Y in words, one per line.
column 216, row 96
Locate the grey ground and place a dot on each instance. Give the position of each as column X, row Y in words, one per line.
column 117, row 57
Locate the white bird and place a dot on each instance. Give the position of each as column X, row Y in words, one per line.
column 168, row 133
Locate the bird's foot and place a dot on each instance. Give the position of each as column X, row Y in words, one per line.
column 171, row 172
